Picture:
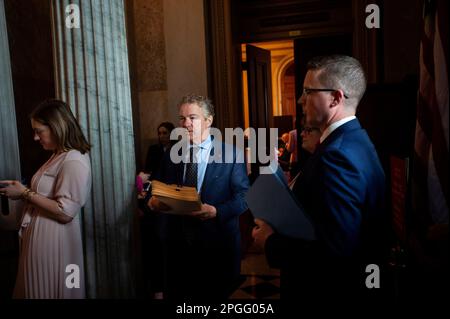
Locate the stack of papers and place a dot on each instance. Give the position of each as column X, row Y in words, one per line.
column 181, row 199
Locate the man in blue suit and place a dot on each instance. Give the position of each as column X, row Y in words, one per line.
column 203, row 248
column 342, row 188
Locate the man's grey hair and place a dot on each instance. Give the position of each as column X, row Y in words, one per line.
column 341, row 72
column 202, row 101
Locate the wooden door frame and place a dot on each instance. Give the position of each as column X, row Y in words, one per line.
column 223, row 64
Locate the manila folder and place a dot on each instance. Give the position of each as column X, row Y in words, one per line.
column 181, row 199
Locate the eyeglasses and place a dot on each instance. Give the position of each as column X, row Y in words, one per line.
column 308, row 129
column 307, row 91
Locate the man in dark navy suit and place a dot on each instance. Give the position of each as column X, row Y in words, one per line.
column 342, row 188
column 203, row 248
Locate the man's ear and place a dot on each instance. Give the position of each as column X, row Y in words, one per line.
column 338, row 97
column 209, row 119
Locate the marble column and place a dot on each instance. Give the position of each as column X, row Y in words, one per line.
column 92, row 75
column 9, row 149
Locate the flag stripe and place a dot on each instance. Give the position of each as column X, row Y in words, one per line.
column 427, row 53
column 430, row 165
column 429, row 118
column 425, row 117
column 440, row 135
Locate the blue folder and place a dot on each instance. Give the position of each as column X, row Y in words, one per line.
column 270, row 198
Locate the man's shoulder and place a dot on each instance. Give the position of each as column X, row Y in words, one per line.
column 348, row 143
column 346, row 137
column 352, row 151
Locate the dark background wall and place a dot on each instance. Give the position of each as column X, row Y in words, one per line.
column 30, row 44
column 401, row 29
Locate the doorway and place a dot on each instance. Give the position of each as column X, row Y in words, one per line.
column 287, row 69
column 280, row 87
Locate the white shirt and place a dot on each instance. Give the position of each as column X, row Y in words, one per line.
column 334, row 126
column 202, row 158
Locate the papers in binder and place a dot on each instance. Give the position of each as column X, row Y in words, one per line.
column 182, row 199
column 270, row 199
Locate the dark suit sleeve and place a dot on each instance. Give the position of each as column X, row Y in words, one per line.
column 236, row 205
column 336, row 210
column 343, row 190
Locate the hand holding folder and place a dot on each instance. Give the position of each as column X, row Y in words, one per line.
column 270, row 199
column 180, row 200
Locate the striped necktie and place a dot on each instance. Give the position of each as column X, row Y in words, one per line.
column 190, row 178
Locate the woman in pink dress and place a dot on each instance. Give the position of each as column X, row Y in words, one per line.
column 51, row 249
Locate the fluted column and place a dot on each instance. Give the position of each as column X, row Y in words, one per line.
column 92, row 75
column 9, row 149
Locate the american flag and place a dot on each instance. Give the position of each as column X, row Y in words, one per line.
column 430, row 189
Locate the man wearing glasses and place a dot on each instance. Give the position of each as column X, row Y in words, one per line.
column 342, row 189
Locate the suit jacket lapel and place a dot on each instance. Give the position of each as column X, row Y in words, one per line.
column 178, row 171
column 210, row 169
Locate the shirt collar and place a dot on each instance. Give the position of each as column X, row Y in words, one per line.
column 334, row 126
column 205, row 144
